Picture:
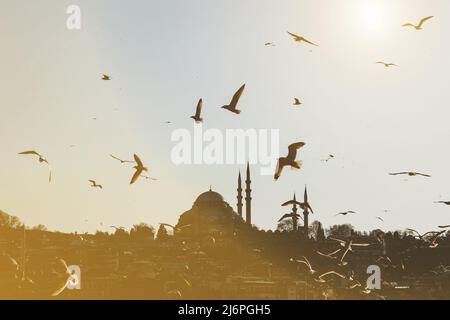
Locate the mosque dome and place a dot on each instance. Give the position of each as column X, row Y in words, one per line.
column 209, row 197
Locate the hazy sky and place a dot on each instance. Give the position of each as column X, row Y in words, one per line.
column 165, row 55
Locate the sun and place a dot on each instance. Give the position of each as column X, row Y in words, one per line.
column 371, row 16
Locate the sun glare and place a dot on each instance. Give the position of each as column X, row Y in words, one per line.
column 371, row 16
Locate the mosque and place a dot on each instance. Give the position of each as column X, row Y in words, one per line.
column 212, row 215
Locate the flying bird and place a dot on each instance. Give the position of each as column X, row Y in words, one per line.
column 121, row 161
column 420, row 25
column 95, row 185
column 387, row 65
column 40, row 157
column 330, row 156
column 306, row 262
column 444, row 202
column 321, row 278
column 444, row 227
column 344, row 213
column 422, row 236
column 379, row 218
column 176, row 229
column 233, row 104
column 348, row 246
column 290, row 159
column 198, row 112
column 329, row 255
column 41, row 160
column 139, row 169
column 411, row 174
column 290, row 215
column 105, row 77
column 296, row 102
column 269, row 44
column 298, row 38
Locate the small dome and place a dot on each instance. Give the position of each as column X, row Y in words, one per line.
column 209, row 197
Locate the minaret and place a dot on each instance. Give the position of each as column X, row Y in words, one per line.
column 248, row 198
column 294, row 217
column 239, row 196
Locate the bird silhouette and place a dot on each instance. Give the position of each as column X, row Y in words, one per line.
column 105, row 77
column 330, row 156
column 297, row 102
column 289, row 215
column 379, row 218
column 289, row 160
column 32, row 152
column 174, row 228
column 387, row 65
column 269, row 44
column 233, row 104
column 420, row 25
column 198, row 112
column 344, row 213
column 444, row 202
column 411, row 174
column 95, row 185
column 121, row 161
column 444, row 227
column 348, row 246
column 139, row 169
column 41, row 160
column 321, row 278
column 422, row 236
column 306, row 262
column 329, row 255
column 298, row 38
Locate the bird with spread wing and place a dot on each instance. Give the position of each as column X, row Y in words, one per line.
column 298, row 38
column 232, row 107
column 198, row 112
column 139, row 169
column 290, row 159
column 420, row 25
column 41, row 160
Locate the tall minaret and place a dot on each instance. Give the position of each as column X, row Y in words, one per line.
column 248, row 198
column 239, row 196
column 294, row 217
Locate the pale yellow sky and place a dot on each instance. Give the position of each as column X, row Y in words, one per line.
column 164, row 56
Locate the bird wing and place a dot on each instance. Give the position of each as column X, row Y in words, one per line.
column 414, row 231
column 307, row 41
column 237, row 96
column 294, row 35
column 423, row 175
column 444, row 227
column 136, row 175
column 329, row 273
column 285, row 217
column 30, row 152
column 198, row 112
column 338, row 240
column 408, row 25
column 424, row 20
column 293, row 150
column 167, row 225
column 138, row 161
column 291, row 202
column 398, row 173
column 360, row 244
column 279, row 169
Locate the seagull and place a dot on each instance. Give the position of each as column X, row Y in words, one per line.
column 444, row 227
column 176, row 229
column 105, row 77
column 296, row 102
column 269, row 44
column 289, row 215
column 41, row 158
column 419, row 26
column 121, row 161
column 433, row 241
column 348, row 246
column 67, row 277
column 379, row 218
column 444, row 202
column 290, row 159
column 344, row 213
column 198, row 112
column 422, row 236
column 329, row 255
column 298, row 38
column 95, row 185
column 139, row 169
column 321, row 279
column 306, row 262
column 233, row 104
column 330, row 156
column 411, row 174
column 387, row 65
